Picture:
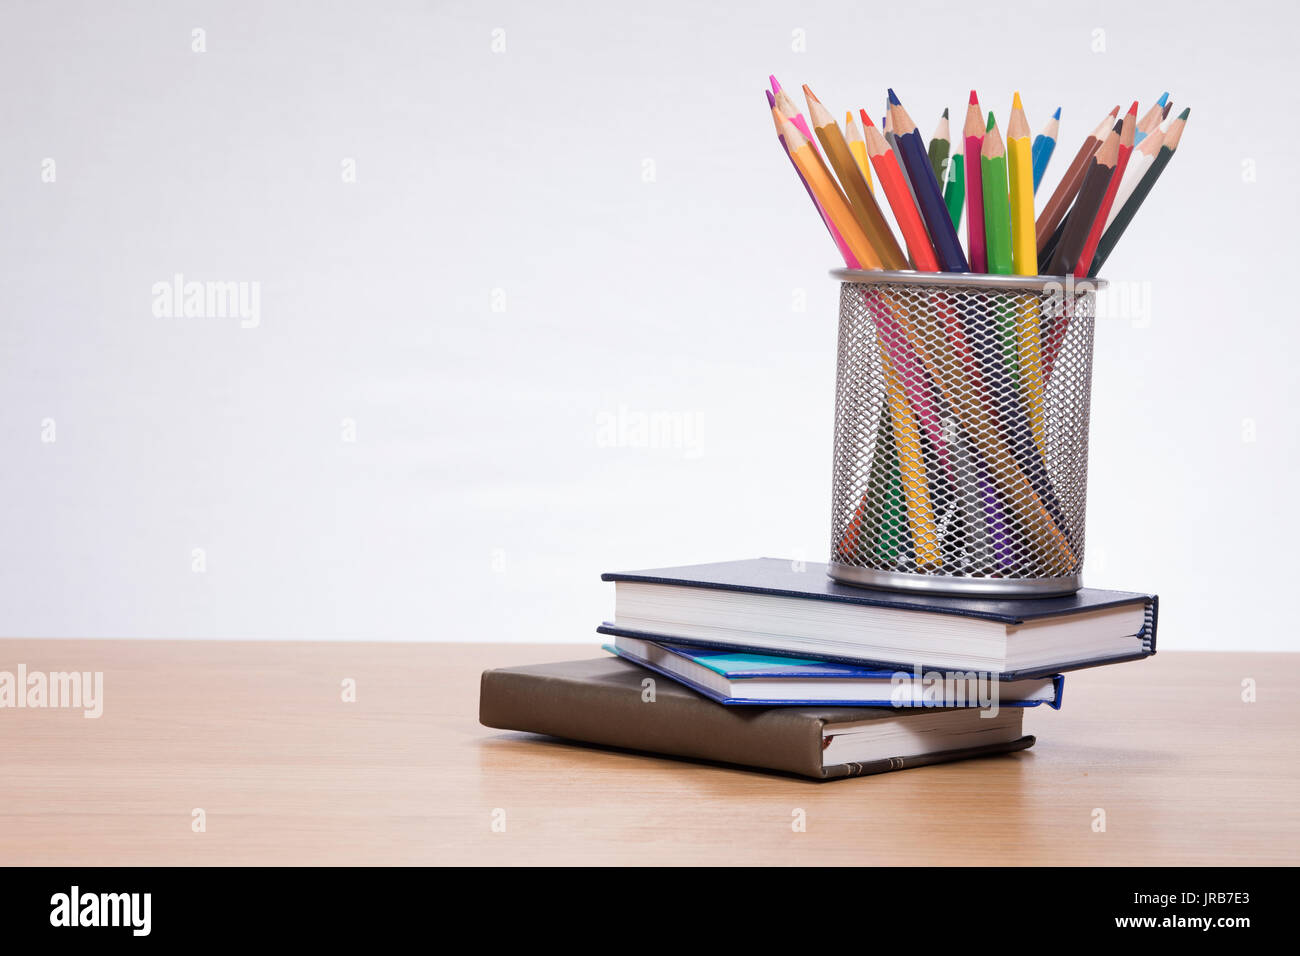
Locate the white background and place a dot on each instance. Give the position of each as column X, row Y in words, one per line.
column 480, row 500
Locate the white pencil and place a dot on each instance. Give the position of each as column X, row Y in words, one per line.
column 1138, row 164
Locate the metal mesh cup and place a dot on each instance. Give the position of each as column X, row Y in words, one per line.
column 961, row 432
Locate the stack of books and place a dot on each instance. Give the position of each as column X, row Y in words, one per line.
column 770, row 664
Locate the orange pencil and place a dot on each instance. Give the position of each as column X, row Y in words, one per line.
column 827, row 193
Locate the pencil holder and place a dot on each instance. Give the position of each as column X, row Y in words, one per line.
column 961, row 432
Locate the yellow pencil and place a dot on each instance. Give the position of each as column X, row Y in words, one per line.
column 907, row 438
column 858, row 147
column 1024, row 259
column 828, row 194
column 1020, row 163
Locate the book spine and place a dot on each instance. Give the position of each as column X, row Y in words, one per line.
column 910, row 763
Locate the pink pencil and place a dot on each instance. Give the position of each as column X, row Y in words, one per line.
column 786, row 105
column 849, row 259
column 791, row 112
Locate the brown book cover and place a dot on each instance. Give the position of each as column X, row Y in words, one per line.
column 603, row 701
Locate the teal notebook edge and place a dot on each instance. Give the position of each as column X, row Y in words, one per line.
column 1058, row 680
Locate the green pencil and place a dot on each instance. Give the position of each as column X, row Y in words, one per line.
column 997, row 230
column 940, row 144
column 885, row 487
column 1126, row 214
column 954, row 189
column 997, row 200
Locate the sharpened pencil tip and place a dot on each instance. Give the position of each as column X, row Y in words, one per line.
column 1015, row 101
column 1133, row 110
column 974, row 100
column 1115, row 111
column 1164, row 98
column 866, row 118
column 810, row 94
column 945, row 112
column 771, row 100
column 1057, row 114
column 776, row 87
column 893, row 98
column 1185, row 113
column 992, row 122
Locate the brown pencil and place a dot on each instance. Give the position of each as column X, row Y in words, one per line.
column 1100, row 170
column 861, row 201
column 1070, row 184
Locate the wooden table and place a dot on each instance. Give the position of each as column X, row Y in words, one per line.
column 257, row 736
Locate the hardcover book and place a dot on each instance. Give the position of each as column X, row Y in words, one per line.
column 773, row 606
column 608, row 701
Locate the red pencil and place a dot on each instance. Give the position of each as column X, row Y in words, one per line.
column 1126, row 135
column 900, row 199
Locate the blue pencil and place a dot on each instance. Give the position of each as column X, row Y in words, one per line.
column 1044, row 145
column 1156, row 111
column 929, row 198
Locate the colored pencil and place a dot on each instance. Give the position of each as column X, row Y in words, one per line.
column 1116, row 229
column 787, row 108
column 1138, row 164
column 813, row 170
column 887, row 128
column 1044, row 146
column 849, row 259
column 861, row 201
column 1020, row 166
column 1021, row 169
column 997, row 234
column 939, row 148
column 828, row 194
column 900, row 200
column 1069, row 185
column 954, row 189
column 1127, row 130
column 973, row 137
column 1164, row 113
column 1100, row 169
column 928, row 198
column 791, row 112
column 1150, row 119
column 911, row 453
column 899, row 340
column 997, row 204
column 858, row 148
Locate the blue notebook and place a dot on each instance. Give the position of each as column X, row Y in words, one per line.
column 739, row 678
column 783, row 608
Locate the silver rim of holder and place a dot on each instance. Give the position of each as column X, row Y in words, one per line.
column 967, row 280
column 969, row 587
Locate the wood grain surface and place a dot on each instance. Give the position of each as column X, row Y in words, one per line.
column 258, row 736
